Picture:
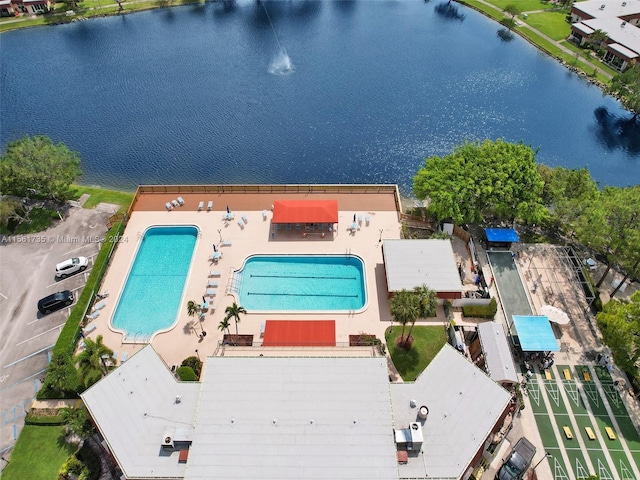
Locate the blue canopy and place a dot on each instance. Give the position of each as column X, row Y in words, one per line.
column 501, row 235
column 535, row 333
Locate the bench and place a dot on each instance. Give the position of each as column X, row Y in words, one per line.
column 547, row 374
column 590, row 434
column 610, row 433
column 586, row 376
column 567, row 374
column 568, row 433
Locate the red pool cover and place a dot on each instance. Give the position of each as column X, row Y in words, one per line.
column 300, row 333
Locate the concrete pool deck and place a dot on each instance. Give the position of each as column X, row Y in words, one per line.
column 183, row 339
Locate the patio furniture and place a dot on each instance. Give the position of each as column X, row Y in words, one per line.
column 215, row 273
column 90, row 328
column 262, row 328
column 215, row 257
column 367, row 220
column 180, row 201
column 209, row 205
column 264, row 214
column 212, row 292
column 241, row 224
column 175, row 203
column 359, row 219
column 245, row 219
column 100, row 305
column 226, row 243
column 212, row 283
column 200, row 206
column 93, row 316
column 168, row 206
column 229, row 216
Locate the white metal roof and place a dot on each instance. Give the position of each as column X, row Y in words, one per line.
column 496, row 352
column 135, row 406
column 293, row 418
column 583, row 28
column 623, row 50
column 612, row 8
column 464, row 405
column 627, row 35
column 411, row 263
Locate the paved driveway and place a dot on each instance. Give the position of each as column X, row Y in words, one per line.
column 27, row 267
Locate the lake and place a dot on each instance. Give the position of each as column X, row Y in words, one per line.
column 299, row 92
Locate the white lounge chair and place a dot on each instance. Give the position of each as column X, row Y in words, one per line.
column 175, row 203
column 262, row 328
column 168, row 206
column 204, row 306
column 209, row 205
column 123, row 357
column 359, row 219
column 100, row 305
column 215, row 273
column 367, row 220
column 212, row 283
column 90, row 328
column 264, row 214
column 245, row 219
column 212, row 292
column 180, row 201
column 200, row 206
column 94, row 315
column 216, row 256
column 241, row 224
column 226, row 243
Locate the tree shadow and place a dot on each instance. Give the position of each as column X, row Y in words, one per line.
column 505, row 35
column 449, row 11
column 617, row 132
column 405, row 360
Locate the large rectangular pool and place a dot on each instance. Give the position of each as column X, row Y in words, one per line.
column 150, row 300
column 302, row 283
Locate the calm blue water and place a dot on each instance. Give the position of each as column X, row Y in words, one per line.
column 151, row 297
column 192, row 94
column 310, row 282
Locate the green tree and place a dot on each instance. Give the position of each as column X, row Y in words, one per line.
column 12, row 209
column 610, row 225
column 62, row 377
column 405, row 308
column 476, row 180
column 626, row 86
column 194, row 363
column 224, row 325
column 513, row 10
column 186, row 374
column 619, row 322
column 598, row 37
column 35, row 167
column 428, row 301
column 234, row 311
column 193, row 308
column 77, row 421
column 93, row 361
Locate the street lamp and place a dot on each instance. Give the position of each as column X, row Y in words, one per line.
column 380, row 238
column 220, row 233
column 546, row 455
column 197, row 354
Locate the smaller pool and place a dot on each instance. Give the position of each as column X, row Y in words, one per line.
column 150, row 300
column 302, row 283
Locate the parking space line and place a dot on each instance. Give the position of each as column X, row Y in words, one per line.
column 69, row 278
column 30, row 377
column 3, row 296
column 29, row 356
column 79, row 248
column 40, row 334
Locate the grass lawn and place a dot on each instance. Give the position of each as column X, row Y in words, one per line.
column 552, row 24
column 99, row 195
column 38, row 455
column 523, row 5
column 427, row 342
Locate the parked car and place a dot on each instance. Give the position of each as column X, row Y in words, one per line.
column 55, row 302
column 518, row 462
column 71, row 266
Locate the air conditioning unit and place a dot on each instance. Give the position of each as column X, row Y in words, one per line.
column 167, row 438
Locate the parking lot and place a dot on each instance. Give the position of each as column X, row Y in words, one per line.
column 28, row 274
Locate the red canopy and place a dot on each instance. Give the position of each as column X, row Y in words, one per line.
column 299, row 333
column 305, row 211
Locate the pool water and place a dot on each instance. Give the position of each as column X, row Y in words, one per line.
column 150, row 300
column 302, row 283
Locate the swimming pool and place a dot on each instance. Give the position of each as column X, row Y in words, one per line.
column 151, row 296
column 302, row 283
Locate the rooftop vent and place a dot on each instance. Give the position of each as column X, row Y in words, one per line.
column 167, row 439
column 624, row 4
column 178, row 398
column 423, row 412
column 602, row 7
column 623, row 24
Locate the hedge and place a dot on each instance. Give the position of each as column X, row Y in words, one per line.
column 481, row 311
column 38, row 419
column 67, row 340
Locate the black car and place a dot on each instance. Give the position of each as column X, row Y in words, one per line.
column 518, row 462
column 55, row 302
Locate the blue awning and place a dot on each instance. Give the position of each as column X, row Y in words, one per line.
column 535, row 333
column 501, row 235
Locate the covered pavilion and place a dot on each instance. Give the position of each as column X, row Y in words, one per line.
column 312, row 214
column 501, row 237
column 534, row 333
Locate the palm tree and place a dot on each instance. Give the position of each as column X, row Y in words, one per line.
column 224, row 325
column 193, row 308
column 405, row 308
column 428, row 302
column 92, row 361
column 234, row 311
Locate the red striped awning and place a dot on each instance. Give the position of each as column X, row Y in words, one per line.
column 299, row 333
column 305, row 211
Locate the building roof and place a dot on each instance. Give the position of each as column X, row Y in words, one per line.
column 305, row 211
column 412, row 263
column 535, row 333
column 612, row 8
column 464, row 406
column 135, row 408
column 625, row 52
column 501, row 235
column 618, row 31
column 292, row 418
column 497, row 353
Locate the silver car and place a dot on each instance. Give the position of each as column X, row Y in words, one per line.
column 71, row 266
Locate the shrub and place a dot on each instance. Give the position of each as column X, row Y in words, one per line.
column 481, row 311
column 186, row 374
column 43, row 417
column 195, row 364
column 71, row 466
